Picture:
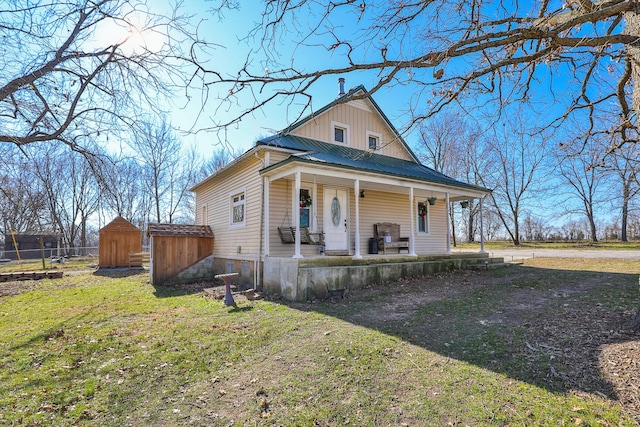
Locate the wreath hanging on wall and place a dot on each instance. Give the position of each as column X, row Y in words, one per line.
column 305, row 199
column 422, row 210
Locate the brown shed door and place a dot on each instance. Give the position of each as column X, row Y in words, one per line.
column 114, row 253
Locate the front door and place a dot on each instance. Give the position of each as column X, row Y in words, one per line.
column 335, row 224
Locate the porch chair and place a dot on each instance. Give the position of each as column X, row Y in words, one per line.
column 388, row 236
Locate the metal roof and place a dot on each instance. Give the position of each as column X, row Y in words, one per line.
column 318, row 152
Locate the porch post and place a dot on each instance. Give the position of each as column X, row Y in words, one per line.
column 481, row 227
column 446, row 202
column 356, row 193
column 412, row 246
column 295, row 213
column 267, row 186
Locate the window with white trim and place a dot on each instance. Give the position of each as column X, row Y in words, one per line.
column 373, row 140
column 305, row 207
column 340, row 133
column 238, row 209
column 422, row 217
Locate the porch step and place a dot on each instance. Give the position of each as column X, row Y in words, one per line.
column 336, row 253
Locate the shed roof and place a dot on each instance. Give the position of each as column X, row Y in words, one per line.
column 119, row 224
column 179, row 230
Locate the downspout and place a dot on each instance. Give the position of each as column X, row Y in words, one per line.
column 256, row 263
column 481, row 227
column 448, row 222
column 356, row 191
column 295, row 205
column 412, row 237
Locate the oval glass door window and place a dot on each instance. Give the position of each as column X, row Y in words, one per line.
column 335, row 211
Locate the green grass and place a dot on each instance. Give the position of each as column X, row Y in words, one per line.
column 95, row 350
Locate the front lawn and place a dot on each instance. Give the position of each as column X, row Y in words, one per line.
column 538, row 344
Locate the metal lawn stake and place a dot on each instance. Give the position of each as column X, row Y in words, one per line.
column 226, row 278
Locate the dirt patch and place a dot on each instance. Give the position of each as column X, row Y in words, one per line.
column 17, row 287
column 562, row 330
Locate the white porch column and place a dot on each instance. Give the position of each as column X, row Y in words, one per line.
column 356, row 191
column 267, row 186
column 446, row 202
column 295, row 214
column 412, row 226
column 481, row 227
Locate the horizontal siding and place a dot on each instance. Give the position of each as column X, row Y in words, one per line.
column 277, row 156
column 375, row 207
column 243, row 242
column 280, row 216
column 379, row 206
column 360, row 121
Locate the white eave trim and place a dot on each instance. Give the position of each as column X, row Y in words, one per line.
column 247, row 154
column 456, row 193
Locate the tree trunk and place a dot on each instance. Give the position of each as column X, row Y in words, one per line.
column 625, row 213
column 632, row 26
column 83, row 236
column 592, row 226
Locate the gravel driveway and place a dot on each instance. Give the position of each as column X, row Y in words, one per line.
column 518, row 254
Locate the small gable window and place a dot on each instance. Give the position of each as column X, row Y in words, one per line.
column 340, row 133
column 373, row 140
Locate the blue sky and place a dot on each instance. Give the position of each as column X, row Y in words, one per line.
column 228, row 32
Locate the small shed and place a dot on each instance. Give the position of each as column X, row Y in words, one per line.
column 176, row 247
column 29, row 245
column 116, row 240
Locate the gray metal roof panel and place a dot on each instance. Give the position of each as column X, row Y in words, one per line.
column 342, row 156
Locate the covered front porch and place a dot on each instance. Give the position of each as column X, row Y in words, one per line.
column 341, row 209
column 309, row 279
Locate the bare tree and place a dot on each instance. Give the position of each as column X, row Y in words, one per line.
column 469, row 54
column 168, row 171
column 447, row 144
column 81, row 68
column 219, row 159
column 121, row 189
column 68, row 180
column 23, row 206
column 585, row 181
column 625, row 164
column 517, row 156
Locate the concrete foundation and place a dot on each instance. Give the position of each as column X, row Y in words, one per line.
column 200, row 271
column 311, row 278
